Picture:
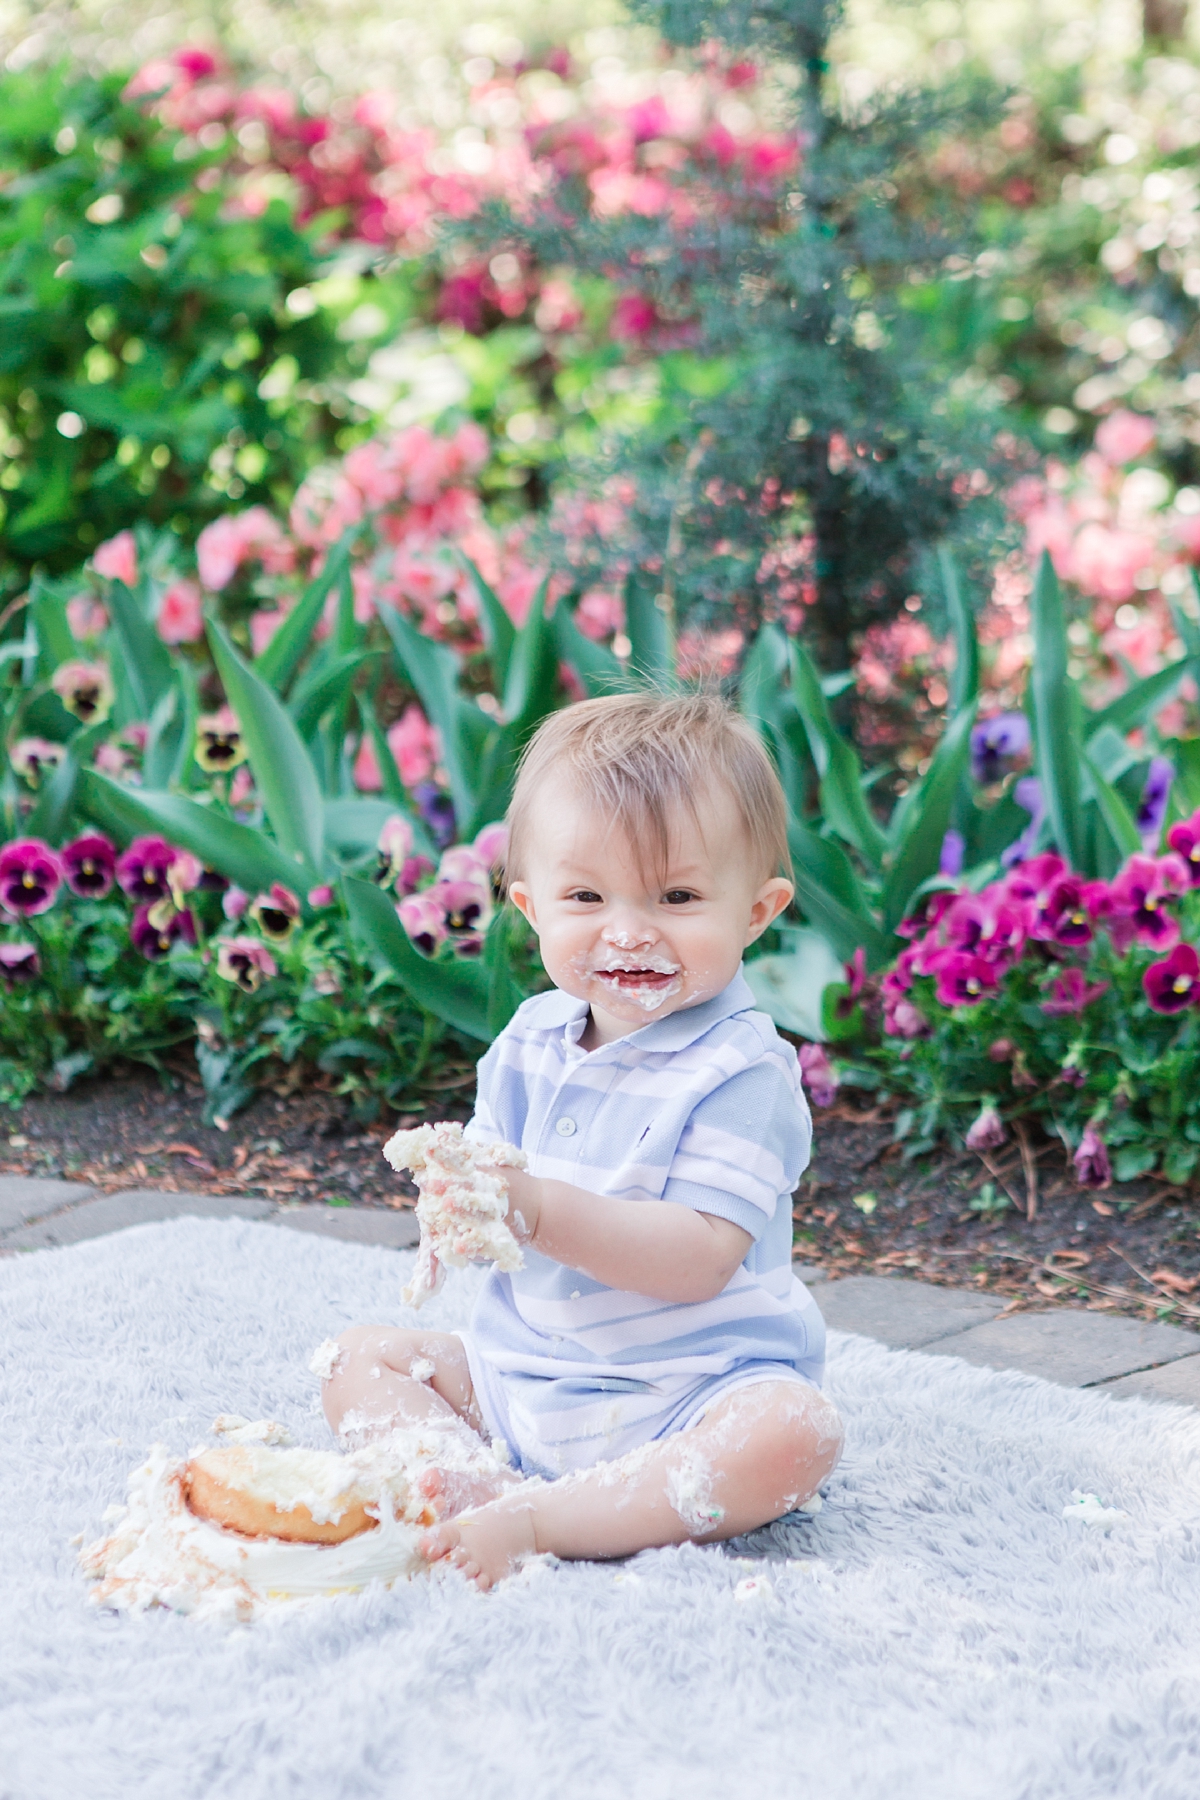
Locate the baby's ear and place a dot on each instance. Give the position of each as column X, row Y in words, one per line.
column 772, row 897
column 522, row 899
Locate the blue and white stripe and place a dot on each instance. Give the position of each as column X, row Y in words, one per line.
column 704, row 1108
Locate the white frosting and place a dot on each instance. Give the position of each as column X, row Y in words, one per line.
column 462, row 1205
column 236, row 1430
column 1086, row 1509
column 324, row 1358
column 161, row 1554
column 689, row 1490
column 421, row 1369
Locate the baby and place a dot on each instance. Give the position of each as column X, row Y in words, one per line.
column 655, row 1361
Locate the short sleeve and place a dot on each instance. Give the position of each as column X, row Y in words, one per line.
column 744, row 1146
column 500, row 1098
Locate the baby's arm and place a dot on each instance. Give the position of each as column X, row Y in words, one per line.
column 659, row 1248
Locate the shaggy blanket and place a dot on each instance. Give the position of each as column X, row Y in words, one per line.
column 939, row 1632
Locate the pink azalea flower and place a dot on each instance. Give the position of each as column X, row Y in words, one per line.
column 1124, row 436
column 181, row 615
column 86, row 617
column 820, row 1078
column 1071, row 992
column 414, row 744
column 368, row 776
column 228, row 542
column 117, row 559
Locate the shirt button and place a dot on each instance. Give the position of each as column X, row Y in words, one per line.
column 565, row 1128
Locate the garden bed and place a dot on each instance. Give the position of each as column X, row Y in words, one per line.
column 1133, row 1249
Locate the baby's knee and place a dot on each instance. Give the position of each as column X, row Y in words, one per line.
column 802, row 1443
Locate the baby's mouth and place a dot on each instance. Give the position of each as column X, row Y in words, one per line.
column 639, row 980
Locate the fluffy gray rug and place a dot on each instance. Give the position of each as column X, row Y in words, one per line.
column 940, row 1632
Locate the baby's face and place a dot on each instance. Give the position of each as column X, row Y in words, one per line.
column 634, row 947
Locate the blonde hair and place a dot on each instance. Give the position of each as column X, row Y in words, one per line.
column 639, row 758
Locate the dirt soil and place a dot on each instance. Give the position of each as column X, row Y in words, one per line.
column 860, row 1208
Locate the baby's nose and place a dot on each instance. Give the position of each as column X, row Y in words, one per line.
column 629, row 934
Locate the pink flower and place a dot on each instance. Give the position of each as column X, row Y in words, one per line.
column 902, row 1019
column 85, row 689
column 633, row 317
column 276, row 913
column 466, row 904
column 227, row 543
column 989, row 925
column 491, row 843
column 1107, row 562
column 142, row 871
column 1184, row 839
column 31, row 874
column 1092, row 1167
column 462, row 862
column 395, row 843
column 181, row 615
column 820, row 1078
column 1061, row 913
column 1173, row 984
column 988, row 1132
column 86, row 617
column 234, row 902
column 424, row 921
column 246, row 962
column 31, row 755
column 117, row 559
column 19, row 962
column 321, row 897
column 1134, row 905
column 1071, row 993
column 90, row 865
column 368, row 776
column 414, row 744
column 1124, row 436
column 963, row 979
column 264, row 625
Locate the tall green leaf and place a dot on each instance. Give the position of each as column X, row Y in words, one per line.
column 596, row 666
column 498, row 628
column 652, row 652
column 842, row 799
column 320, row 688
column 1135, row 705
column 454, row 991
column 282, row 656
column 846, row 925
column 918, row 847
column 531, row 689
column 1120, row 822
column 56, row 640
column 503, row 994
column 146, row 659
column 964, row 683
column 283, row 770
column 245, row 856
column 51, row 813
column 1053, row 703
column 465, row 730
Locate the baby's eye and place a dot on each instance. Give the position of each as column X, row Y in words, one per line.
column 587, row 896
column 678, row 896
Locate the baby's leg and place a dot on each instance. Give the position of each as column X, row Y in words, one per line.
column 373, row 1389
column 754, row 1456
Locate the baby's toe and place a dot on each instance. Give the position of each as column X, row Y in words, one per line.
column 442, row 1541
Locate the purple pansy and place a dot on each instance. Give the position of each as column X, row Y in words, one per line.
column 996, row 742
column 1174, row 983
column 31, row 874
column 156, row 927
column 437, row 809
column 142, row 871
column 90, row 865
column 1028, row 795
column 1152, row 807
column 19, row 962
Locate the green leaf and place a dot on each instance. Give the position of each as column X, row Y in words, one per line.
column 1053, row 704
column 283, row 770
column 764, row 674
column 964, row 683
column 146, row 659
column 918, row 847
column 1134, row 706
column 1134, row 1160
column 531, row 690
column 597, row 668
column 1118, row 819
column 352, row 827
column 503, row 994
column 498, row 628
column 826, row 889
column 320, row 688
column 842, row 799
column 51, row 812
column 652, row 653
column 454, row 991
column 56, row 640
column 280, row 659
column 245, row 856
column 465, row 730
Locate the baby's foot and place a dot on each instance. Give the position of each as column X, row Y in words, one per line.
column 453, row 1491
column 486, row 1545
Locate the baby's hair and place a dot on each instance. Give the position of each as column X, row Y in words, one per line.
column 641, row 758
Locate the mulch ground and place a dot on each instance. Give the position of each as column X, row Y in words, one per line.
column 860, row 1209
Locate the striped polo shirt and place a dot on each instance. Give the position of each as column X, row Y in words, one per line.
column 703, row 1108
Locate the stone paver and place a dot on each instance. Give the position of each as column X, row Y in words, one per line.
column 1178, row 1381
column 138, row 1206
column 24, row 1198
column 1076, row 1349
column 354, row 1224
column 905, row 1315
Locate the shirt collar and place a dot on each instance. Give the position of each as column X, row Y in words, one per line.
column 557, row 1011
